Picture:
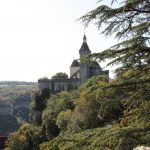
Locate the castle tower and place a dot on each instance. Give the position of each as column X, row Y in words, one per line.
column 84, row 66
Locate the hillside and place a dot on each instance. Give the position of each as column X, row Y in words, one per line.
column 117, row 138
column 15, row 98
column 95, row 116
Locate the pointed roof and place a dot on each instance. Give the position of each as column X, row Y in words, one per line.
column 84, row 46
column 75, row 63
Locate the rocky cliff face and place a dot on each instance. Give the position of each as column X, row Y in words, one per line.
column 6, row 109
column 13, row 113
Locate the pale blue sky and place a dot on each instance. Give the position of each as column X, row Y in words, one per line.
column 41, row 37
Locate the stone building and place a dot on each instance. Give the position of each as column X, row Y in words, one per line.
column 79, row 73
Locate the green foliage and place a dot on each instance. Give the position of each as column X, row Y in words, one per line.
column 60, row 75
column 63, row 120
column 125, row 138
column 44, row 78
column 26, row 138
column 14, row 94
column 17, row 93
column 100, row 104
column 138, row 116
column 38, row 104
column 56, row 104
column 96, row 80
column 130, row 21
column 120, row 110
column 96, row 106
column 49, row 127
column 110, row 109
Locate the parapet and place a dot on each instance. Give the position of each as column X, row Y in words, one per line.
column 57, row 85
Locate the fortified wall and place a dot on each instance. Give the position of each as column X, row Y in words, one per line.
column 79, row 73
column 57, row 85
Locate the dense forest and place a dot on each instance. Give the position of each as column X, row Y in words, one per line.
column 15, row 98
column 102, row 114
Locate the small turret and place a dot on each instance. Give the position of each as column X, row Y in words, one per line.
column 84, row 50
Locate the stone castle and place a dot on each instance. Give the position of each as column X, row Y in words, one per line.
column 79, row 73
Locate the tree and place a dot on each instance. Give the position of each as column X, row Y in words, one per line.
column 27, row 137
column 60, row 75
column 38, row 104
column 55, row 105
column 130, row 21
column 63, row 120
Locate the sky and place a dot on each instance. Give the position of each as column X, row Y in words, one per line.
column 39, row 38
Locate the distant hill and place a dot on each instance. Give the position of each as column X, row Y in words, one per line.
column 14, row 83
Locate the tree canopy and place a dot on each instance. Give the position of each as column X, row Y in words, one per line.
column 130, row 22
column 60, row 75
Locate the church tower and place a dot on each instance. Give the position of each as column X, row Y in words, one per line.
column 84, row 66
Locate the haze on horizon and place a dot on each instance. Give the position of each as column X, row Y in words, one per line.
column 41, row 37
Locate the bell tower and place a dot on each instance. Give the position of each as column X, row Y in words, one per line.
column 84, row 66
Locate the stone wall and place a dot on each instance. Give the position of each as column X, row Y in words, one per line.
column 58, row 85
column 43, row 84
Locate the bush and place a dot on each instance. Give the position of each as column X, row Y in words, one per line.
column 60, row 75
column 116, row 138
column 26, row 138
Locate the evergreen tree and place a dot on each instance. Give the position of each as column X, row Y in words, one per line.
column 130, row 22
